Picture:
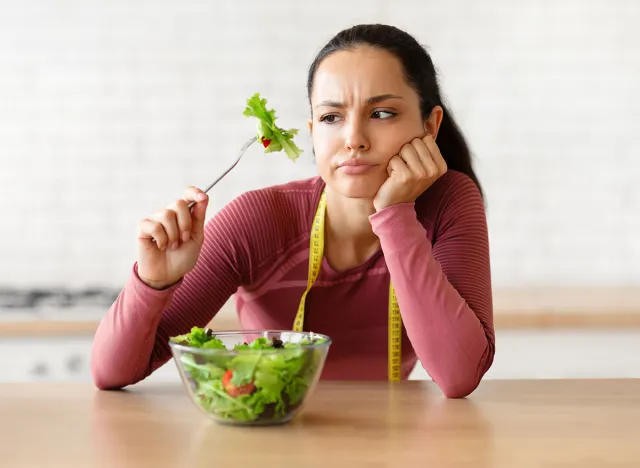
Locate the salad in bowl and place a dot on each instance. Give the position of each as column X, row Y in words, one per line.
column 250, row 377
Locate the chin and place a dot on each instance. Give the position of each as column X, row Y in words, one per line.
column 357, row 189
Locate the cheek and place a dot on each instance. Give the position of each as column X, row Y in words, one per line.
column 324, row 139
column 395, row 137
column 324, row 147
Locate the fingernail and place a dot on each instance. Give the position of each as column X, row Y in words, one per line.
column 185, row 236
column 201, row 196
column 174, row 245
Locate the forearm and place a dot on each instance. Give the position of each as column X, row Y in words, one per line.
column 124, row 341
column 447, row 335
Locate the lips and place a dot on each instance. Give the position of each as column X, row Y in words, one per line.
column 354, row 162
column 356, row 166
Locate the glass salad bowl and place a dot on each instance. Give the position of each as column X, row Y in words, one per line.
column 256, row 377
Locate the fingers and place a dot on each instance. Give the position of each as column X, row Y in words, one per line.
column 423, row 158
column 183, row 216
column 426, row 159
column 198, row 211
column 198, row 214
column 398, row 168
column 177, row 223
column 409, row 154
column 194, row 194
column 436, row 156
column 149, row 230
column 168, row 219
column 413, row 170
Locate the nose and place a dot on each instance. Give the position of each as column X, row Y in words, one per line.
column 356, row 138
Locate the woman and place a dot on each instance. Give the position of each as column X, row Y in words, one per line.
column 403, row 207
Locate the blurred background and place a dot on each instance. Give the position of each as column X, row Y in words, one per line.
column 108, row 110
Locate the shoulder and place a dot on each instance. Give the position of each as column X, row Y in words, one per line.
column 259, row 224
column 285, row 202
column 270, row 215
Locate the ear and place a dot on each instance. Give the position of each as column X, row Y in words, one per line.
column 310, row 125
column 432, row 124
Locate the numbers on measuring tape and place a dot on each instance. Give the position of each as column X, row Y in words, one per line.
column 395, row 336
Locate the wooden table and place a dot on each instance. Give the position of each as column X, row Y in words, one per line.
column 514, row 424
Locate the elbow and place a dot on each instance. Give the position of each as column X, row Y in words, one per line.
column 103, row 373
column 110, row 373
column 103, row 379
column 463, row 383
column 462, row 389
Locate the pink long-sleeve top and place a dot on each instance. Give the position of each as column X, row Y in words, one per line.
column 435, row 251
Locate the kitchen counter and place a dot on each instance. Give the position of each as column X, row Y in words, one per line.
column 544, row 308
column 510, row 424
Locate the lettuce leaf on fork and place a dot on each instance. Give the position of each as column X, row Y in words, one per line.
column 272, row 137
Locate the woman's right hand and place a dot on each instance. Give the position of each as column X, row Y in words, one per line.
column 169, row 241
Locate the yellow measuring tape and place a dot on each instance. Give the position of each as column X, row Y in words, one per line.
column 316, row 252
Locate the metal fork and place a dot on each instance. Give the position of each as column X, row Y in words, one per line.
column 244, row 148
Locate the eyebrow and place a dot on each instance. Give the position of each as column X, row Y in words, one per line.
column 371, row 100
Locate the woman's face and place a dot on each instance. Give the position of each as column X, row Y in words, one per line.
column 363, row 112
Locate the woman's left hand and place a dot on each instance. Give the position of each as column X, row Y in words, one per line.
column 417, row 166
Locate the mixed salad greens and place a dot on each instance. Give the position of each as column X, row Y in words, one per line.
column 272, row 137
column 265, row 379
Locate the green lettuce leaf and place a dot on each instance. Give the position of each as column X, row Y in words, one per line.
column 243, row 368
column 206, row 371
column 268, row 133
column 199, row 338
column 213, row 397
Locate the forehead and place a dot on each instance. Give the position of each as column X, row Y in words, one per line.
column 358, row 74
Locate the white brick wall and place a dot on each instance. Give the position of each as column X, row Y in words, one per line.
column 108, row 109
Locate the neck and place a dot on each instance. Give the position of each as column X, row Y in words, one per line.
column 347, row 220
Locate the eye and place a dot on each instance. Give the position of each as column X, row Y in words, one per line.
column 329, row 118
column 383, row 115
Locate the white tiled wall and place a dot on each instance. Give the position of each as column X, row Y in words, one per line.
column 109, row 109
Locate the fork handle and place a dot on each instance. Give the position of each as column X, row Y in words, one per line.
column 244, row 148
